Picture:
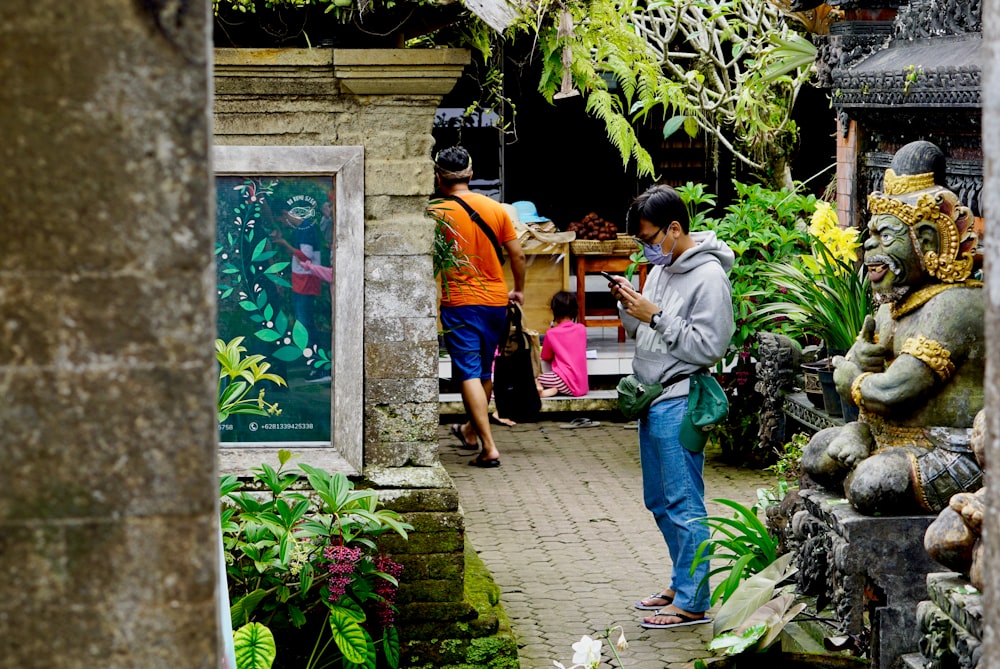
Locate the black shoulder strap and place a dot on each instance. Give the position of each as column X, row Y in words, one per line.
column 478, row 220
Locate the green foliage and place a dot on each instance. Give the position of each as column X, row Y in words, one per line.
column 754, row 592
column 447, row 255
column 828, row 301
column 790, row 457
column 254, row 646
column 238, row 374
column 719, row 67
column 741, row 543
column 293, row 554
column 762, row 227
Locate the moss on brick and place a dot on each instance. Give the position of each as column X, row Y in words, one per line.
column 481, row 640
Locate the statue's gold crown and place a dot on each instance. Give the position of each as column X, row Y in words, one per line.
column 896, row 184
column 914, row 198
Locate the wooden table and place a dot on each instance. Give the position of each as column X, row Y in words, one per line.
column 592, row 263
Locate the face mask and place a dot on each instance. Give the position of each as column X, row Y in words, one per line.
column 656, row 256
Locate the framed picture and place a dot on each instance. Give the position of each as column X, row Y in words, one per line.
column 289, row 252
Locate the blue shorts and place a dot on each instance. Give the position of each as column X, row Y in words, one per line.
column 471, row 335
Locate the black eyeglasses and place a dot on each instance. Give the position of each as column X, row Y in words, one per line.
column 646, row 244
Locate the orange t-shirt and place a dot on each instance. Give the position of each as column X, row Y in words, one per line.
column 480, row 281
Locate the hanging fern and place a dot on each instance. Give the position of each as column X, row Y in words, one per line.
column 697, row 66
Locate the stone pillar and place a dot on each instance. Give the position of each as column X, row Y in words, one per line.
column 108, row 492
column 991, row 193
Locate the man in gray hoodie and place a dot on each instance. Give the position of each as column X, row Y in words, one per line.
column 682, row 323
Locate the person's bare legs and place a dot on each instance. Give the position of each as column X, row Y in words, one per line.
column 475, row 395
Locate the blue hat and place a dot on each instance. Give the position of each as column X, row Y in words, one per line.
column 528, row 213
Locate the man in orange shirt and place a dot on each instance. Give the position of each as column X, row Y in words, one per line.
column 474, row 297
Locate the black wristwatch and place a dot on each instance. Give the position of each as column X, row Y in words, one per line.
column 654, row 318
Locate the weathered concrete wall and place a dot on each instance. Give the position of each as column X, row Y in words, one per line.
column 108, row 509
column 991, row 193
column 385, row 101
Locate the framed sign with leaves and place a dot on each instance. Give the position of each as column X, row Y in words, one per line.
column 289, row 280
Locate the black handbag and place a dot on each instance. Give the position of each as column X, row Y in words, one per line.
column 514, row 390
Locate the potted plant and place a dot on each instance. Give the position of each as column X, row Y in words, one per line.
column 820, row 296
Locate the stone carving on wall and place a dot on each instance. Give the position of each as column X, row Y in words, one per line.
column 933, row 18
column 836, row 52
column 778, row 357
column 916, row 369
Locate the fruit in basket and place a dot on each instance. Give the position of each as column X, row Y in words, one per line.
column 594, row 227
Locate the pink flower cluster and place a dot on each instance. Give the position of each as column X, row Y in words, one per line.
column 386, row 590
column 341, row 565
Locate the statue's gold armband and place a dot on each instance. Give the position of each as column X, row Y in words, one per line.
column 856, row 389
column 931, row 353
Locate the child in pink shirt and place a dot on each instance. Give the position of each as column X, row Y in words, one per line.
column 565, row 346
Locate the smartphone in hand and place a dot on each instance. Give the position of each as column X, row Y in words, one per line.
column 610, row 277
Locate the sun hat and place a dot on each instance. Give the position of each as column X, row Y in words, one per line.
column 528, row 213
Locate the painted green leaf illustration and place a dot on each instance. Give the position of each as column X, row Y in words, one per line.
column 259, row 249
column 281, row 322
column 247, row 305
column 300, row 336
column 267, row 335
column 268, row 312
column 287, row 353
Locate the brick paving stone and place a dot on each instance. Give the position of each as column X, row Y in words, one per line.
column 562, row 528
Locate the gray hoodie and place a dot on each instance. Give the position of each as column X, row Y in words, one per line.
column 697, row 322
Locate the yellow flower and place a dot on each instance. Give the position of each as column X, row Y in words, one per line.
column 840, row 241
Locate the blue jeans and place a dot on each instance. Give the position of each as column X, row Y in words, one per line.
column 673, row 489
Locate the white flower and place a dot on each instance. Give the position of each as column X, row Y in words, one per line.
column 588, row 652
column 622, row 643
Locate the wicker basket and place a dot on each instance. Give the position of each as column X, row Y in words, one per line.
column 581, row 246
column 625, row 243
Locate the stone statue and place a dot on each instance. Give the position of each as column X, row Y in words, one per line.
column 955, row 538
column 916, row 369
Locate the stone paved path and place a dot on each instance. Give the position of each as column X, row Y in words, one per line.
column 562, row 527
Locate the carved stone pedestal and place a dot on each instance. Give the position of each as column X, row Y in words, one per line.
column 872, row 571
column 951, row 625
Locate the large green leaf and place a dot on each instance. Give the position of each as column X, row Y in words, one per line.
column 752, row 594
column 254, row 646
column 774, row 615
column 390, row 647
column 243, row 608
column 349, row 636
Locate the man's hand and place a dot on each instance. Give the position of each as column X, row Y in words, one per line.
column 635, row 304
column 516, row 296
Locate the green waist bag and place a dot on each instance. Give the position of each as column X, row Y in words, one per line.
column 707, row 407
column 635, row 398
